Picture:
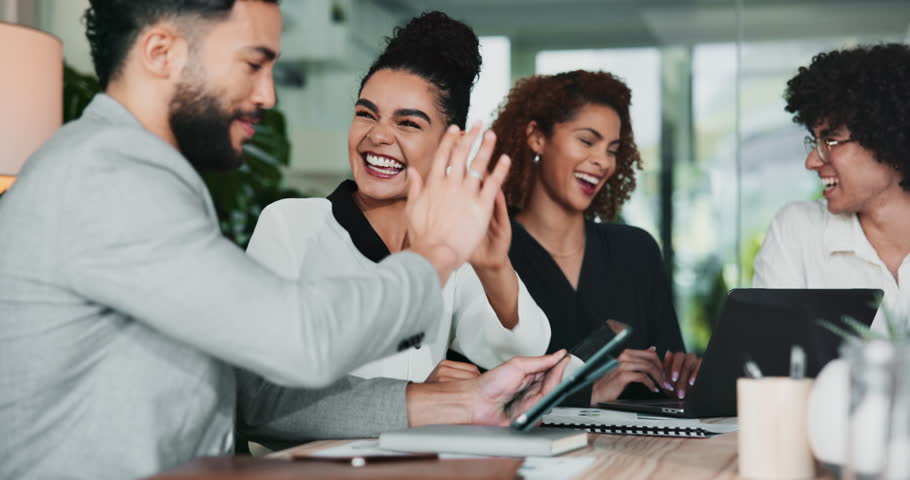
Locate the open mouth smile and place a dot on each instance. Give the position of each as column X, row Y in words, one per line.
column 381, row 166
column 587, row 182
column 830, row 184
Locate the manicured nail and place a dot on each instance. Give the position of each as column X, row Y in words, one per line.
column 681, row 394
column 667, row 355
column 489, row 135
column 668, row 386
column 675, row 376
column 692, row 381
column 652, row 348
column 655, row 390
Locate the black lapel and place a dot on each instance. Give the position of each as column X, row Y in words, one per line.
column 352, row 219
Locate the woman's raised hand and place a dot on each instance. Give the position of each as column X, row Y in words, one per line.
column 449, row 212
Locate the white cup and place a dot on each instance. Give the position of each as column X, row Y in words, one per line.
column 773, row 433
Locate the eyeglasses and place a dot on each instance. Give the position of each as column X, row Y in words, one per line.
column 822, row 148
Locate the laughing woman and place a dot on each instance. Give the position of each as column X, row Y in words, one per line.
column 573, row 158
column 414, row 91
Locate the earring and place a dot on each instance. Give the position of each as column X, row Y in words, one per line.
column 536, row 158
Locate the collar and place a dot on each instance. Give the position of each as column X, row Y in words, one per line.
column 352, row 219
column 104, row 107
column 844, row 234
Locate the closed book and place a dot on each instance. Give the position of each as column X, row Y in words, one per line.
column 596, row 420
column 484, row 440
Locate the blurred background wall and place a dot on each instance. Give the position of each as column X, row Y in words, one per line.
column 721, row 155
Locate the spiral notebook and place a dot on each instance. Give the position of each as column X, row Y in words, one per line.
column 597, row 420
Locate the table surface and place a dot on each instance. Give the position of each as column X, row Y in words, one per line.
column 640, row 457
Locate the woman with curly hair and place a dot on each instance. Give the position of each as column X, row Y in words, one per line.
column 574, row 158
column 855, row 103
column 412, row 94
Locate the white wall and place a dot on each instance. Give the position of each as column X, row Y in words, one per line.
column 63, row 18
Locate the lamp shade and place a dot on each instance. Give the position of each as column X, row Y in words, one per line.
column 31, row 93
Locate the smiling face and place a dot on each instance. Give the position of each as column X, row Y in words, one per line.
column 397, row 126
column 853, row 179
column 579, row 157
column 225, row 84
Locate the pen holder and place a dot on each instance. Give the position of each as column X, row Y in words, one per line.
column 773, row 433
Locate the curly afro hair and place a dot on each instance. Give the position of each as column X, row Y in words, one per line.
column 552, row 99
column 444, row 52
column 866, row 89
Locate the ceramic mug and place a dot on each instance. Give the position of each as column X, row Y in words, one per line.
column 773, row 432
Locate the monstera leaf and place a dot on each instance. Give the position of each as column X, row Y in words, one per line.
column 239, row 196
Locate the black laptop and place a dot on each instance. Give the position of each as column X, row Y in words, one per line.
column 763, row 325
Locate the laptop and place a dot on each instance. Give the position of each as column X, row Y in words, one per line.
column 763, row 325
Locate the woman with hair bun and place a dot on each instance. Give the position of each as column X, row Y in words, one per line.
column 415, row 90
column 574, row 157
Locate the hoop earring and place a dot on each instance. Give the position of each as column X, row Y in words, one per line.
column 536, row 158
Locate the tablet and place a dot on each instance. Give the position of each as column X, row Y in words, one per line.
column 597, row 366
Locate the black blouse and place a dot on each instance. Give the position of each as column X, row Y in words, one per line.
column 622, row 278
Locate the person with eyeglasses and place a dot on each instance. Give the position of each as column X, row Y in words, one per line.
column 856, row 105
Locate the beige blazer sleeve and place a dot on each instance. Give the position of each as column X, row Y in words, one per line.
column 157, row 255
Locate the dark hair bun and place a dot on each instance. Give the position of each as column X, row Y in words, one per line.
column 437, row 43
column 443, row 51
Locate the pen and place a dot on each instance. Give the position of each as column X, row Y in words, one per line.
column 752, row 370
column 363, row 460
column 797, row 362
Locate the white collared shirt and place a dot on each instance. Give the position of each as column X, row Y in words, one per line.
column 809, row 247
column 300, row 238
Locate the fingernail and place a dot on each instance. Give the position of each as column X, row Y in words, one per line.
column 489, row 135
column 652, row 348
column 692, row 381
column 454, row 128
column 681, row 394
column 675, row 376
column 667, row 354
column 655, row 390
column 668, row 386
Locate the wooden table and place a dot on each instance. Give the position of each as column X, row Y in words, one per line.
column 638, row 457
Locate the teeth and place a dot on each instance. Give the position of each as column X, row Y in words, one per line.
column 588, row 178
column 829, row 181
column 383, row 162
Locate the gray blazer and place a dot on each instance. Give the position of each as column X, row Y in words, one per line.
column 123, row 309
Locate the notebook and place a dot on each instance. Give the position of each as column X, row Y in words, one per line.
column 521, row 438
column 495, row 441
column 596, row 420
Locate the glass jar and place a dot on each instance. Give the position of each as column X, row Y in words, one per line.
column 872, row 387
column 897, row 464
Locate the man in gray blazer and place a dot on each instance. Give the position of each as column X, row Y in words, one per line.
column 123, row 309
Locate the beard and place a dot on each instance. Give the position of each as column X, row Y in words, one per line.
column 202, row 129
